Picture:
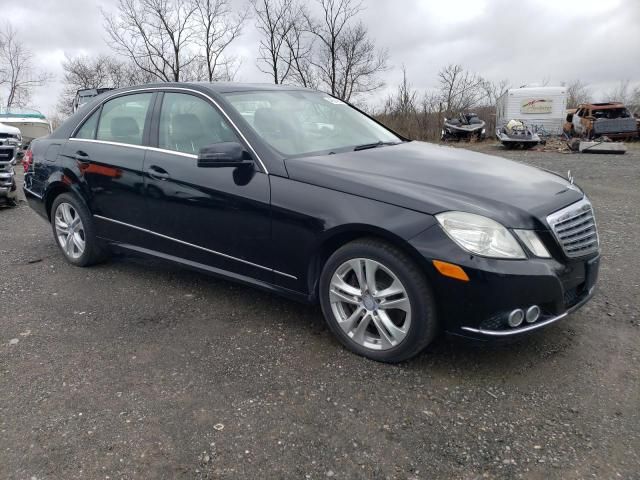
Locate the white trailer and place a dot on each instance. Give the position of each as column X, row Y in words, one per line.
column 539, row 107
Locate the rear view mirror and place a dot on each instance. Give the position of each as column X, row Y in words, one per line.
column 224, row 154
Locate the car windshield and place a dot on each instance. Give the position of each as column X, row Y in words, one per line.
column 299, row 122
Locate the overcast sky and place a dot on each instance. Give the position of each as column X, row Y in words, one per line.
column 526, row 41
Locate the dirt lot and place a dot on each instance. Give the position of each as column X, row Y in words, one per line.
column 138, row 369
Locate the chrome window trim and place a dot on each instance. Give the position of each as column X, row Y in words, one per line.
column 165, row 89
column 140, row 147
column 230, row 257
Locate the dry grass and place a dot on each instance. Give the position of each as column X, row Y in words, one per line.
column 427, row 126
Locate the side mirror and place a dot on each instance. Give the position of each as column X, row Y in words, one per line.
column 570, row 117
column 225, row 154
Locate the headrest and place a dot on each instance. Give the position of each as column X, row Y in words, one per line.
column 124, row 127
column 267, row 120
column 187, row 126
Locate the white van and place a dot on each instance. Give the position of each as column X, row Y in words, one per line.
column 542, row 108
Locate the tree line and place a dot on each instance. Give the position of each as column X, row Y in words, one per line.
column 320, row 44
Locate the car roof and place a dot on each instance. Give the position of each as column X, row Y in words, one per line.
column 216, row 87
column 603, row 105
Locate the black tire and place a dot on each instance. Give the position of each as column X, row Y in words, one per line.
column 424, row 325
column 94, row 251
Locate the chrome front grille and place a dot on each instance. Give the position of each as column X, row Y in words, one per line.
column 6, row 154
column 575, row 229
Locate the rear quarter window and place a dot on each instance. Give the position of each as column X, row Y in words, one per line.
column 88, row 129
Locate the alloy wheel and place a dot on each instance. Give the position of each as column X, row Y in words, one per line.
column 370, row 304
column 69, row 230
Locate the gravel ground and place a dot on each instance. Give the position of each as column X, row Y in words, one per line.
column 138, row 369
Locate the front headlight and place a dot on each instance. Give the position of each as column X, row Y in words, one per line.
column 533, row 243
column 480, row 235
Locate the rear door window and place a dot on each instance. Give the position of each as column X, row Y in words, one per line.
column 123, row 118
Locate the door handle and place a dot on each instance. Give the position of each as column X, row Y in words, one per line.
column 82, row 157
column 158, row 173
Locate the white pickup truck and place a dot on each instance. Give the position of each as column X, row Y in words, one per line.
column 10, row 147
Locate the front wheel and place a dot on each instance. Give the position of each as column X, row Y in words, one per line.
column 377, row 301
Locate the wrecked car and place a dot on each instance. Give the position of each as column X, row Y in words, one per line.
column 592, row 120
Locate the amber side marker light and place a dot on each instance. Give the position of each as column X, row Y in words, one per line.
column 451, row 270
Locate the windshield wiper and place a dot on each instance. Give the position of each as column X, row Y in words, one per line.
column 366, row 146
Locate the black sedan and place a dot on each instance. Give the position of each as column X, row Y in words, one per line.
column 296, row 192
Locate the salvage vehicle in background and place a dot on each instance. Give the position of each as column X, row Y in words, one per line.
column 517, row 134
column 10, row 148
column 296, row 192
column 541, row 108
column 31, row 123
column 465, row 127
column 592, row 120
column 84, row 95
column 12, row 136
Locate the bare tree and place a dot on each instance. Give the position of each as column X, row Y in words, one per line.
column 216, row 28
column 286, row 46
column 156, row 35
column 577, row 93
column 359, row 62
column 404, row 102
column 494, row 90
column 346, row 59
column 621, row 93
column 634, row 103
column 300, row 45
column 17, row 74
column 97, row 72
column 460, row 90
column 274, row 20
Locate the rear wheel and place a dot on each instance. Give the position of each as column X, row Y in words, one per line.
column 74, row 231
column 377, row 301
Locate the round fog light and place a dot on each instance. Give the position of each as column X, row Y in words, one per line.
column 533, row 313
column 515, row 318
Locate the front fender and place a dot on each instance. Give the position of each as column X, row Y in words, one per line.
column 310, row 222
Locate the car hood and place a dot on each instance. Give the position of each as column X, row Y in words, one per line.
column 9, row 129
column 431, row 179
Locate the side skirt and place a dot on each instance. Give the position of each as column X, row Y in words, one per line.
column 224, row 274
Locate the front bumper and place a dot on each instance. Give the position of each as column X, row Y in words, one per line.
column 479, row 308
column 541, row 323
column 7, row 182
